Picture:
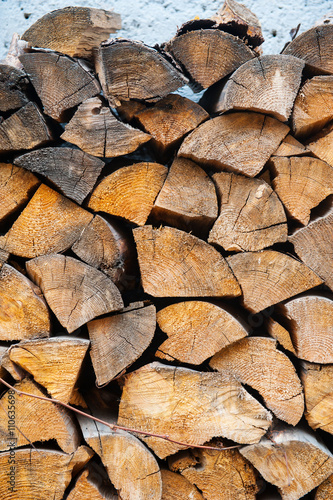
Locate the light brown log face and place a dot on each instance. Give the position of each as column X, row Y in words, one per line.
column 290, row 147
column 280, row 333
column 88, row 486
column 177, row 487
column 268, row 277
column 176, row 264
column 189, row 406
column 239, row 142
column 321, row 144
column 16, row 188
column 13, row 85
column 325, row 490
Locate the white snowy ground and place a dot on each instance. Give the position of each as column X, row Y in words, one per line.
column 156, row 21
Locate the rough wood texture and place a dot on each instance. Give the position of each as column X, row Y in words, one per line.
column 54, row 363
column 239, row 142
column 267, row 84
column 72, row 171
column 207, row 55
column 24, row 129
column 49, row 223
column 290, row 147
column 132, row 468
column 196, row 330
column 129, row 192
column 292, row 459
column 322, row 143
column 313, row 107
column 16, row 188
column 251, row 215
column 305, row 315
column 268, row 277
column 60, row 82
column 87, row 486
column 118, row 340
column 128, row 110
column 279, row 333
column 255, row 361
column 176, row 264
column 177, row 487
column 23, row 310
column 13, row 86
column 132, row 70
column 95, row 130
column 75, row 292
column 325, row 489
column 301, row 184
column 187, row 199
column 74, row 31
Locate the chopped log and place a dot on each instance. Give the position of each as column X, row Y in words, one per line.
column 23, row 480
column 220, row 475
column 6, row 365
column 169, row 120
column 54, row 363
column 314, row 46
column 16, row 188
column 119, row 340
column 88, row 485
column 301, row 184
column 279, row 333
column 290, row 147
column 132, row 468
column 322, row 143
column 239, row 142
column 267, row 84
column 23, row 310
column 74, row 31
column 75, row 292
column 129, row 192
column 132, row 70
column 325, row 489
column 313, row 107
column 268, row 277
column 196, row 330
column 60, row 82
column 305, row 315
column 95, row 130
column 190, row 407
column 207, row 55
column 255, row 361
column 49, row 223
column 128, row 110
column 187, row 199
column 73, row 172
column 25, row 129
column 54, row 422
column 251, row 215
column 13, row 86
column 177, row 487
column 293, row 459
column 176, row 264
column 317, row 380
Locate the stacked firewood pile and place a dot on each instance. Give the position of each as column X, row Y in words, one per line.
column 166, row 265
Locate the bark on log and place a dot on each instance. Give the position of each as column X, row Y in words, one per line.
column 177, row 487
column 13, row 87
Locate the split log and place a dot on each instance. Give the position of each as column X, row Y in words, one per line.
column 128, row 110
column 118, row 340
column 129, row 192
column 23, row 480
column 267, row 84
column 177, row 487
column 24, row 129
column 268, row 277
column 293, row 459
column 60, row 82
column 73, row 172
column 187, row 199
column 322, row 143
column 23, row 310
column 239, row 142
column 75, row 292
column 305, row 315
column 176, row 264
column 132, row 70
column 74, row 31
column 314, row 46
column 54, row 363
column 132, row 468
column 13, row 87
column 49, row 223
column 220, row 475
column 301, row 184
column 95, row 130
column 279, row 333
column 208, row 55
column 256, row 362
column 313, row 107
column 290, row 147
column 54, row 422
column 317, row 380
column 251, row 215
column 196, row 330
column 16, row 188
column 88, row 485
column 325, row 489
